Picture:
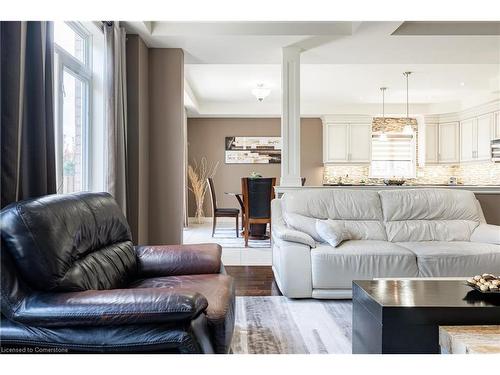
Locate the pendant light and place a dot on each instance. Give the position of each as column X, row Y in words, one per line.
column 408, row 129
column 383, row 136
column 261, row 92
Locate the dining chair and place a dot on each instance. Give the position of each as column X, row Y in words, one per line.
column 257, row 196
column 220, row 212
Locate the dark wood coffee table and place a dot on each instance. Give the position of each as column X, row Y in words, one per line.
column 403, row 316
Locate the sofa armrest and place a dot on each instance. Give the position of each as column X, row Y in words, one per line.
column 109, row 307
column 284, row 233
column 486, row 233
column 292, row 268
column 281, row 231
column 170, row 260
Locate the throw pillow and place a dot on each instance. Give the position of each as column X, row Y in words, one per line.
column 333, row 233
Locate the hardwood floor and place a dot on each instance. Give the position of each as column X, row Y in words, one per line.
column 254, row 280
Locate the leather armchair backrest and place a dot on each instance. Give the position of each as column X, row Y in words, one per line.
column 69, row 242
column 14, row 290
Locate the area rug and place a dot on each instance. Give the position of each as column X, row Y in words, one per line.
column 278, row 325
column 224, row 236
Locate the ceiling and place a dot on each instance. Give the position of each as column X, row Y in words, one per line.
column 343, row 64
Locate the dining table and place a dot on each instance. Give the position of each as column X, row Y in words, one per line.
column 257, row 231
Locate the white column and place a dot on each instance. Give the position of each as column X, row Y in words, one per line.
column 290, row 117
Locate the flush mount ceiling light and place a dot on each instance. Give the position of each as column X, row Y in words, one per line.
column 261, row 92
column 383, row 136
column 408, row 129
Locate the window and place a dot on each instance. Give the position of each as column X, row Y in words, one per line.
column 393, row 157
column 75, row 77
column 72, row 39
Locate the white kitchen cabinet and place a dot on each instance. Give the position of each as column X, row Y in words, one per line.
column 335, row 143
column 360, row 143
column 346, row 143
column 467, row 143
column 431, row 143
column 448, row 142
column 496, row 133
column 475, row 137
column 485, row 125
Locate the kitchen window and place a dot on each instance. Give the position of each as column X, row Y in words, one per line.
column 77, row 92
column 394, row 156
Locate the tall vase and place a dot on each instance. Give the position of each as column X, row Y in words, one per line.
column 199, row 211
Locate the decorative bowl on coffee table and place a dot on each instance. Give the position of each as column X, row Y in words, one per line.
column 485, row 283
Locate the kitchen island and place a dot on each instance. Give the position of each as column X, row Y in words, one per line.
column 479, row 189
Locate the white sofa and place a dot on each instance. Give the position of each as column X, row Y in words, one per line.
column 396, row 233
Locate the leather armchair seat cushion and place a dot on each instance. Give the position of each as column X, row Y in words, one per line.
column 335, row 268
column 457, row 258
column 218, row 289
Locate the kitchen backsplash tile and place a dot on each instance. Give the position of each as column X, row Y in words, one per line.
column 481, row 173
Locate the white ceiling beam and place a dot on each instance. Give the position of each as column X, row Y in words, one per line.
column 251, row 28
column 190, row 100
column 448, row 28
column 142, row 28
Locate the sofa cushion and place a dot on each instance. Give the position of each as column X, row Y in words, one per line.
column 486, row 233
column 429, row 214
column 458, row 258
column 428, row 204
column 335, row 268
column 358, row 229
column 335, row 204
column 430, row 230
column 332, row 232
column 69, row 242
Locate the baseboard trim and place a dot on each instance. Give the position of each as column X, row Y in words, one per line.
column 208, row 219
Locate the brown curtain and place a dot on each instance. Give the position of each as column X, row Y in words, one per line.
column 116, row 112
column 27, row 111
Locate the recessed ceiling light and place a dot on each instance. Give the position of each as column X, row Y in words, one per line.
column 462, row 84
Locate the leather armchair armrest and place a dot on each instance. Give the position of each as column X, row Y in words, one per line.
column 109, row 307
column 171, row 260
column 486, row 233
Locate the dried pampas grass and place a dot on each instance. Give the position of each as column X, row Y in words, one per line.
column 198, row 174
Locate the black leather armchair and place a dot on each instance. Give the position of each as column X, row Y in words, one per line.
column 72, row 281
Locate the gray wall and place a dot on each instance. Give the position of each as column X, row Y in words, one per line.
column 138, row 137
column 166, row 170
column 490, row 203
column 206, row 138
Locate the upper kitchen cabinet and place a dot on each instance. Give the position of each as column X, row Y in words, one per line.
column 347, row 142
column 475, row 136
column 360, row 143
column 467, row 144
column 485, row 127
column 496, row 133
column 431, row 143
column 448, row 142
